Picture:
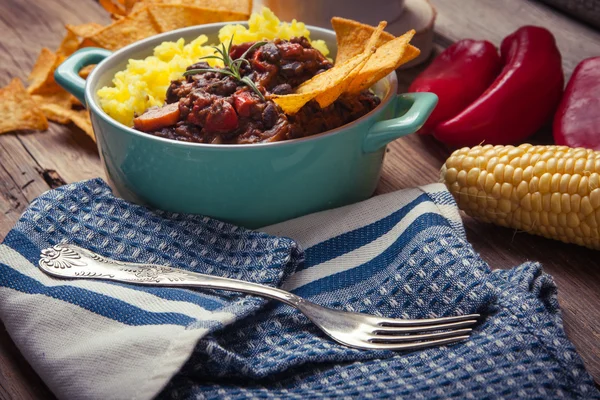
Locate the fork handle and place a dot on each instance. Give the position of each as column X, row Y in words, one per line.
column 70, row 261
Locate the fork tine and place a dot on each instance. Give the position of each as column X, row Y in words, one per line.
column 416, row 345
column 423, row 328
column 411, row 338
column 429, row 321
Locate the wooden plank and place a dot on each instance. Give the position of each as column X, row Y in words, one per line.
column 12, row 202
column 21, row 167
column 493, row 20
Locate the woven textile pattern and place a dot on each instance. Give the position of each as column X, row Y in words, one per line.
column 403, row 254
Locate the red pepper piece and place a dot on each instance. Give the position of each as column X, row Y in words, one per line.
column 243, row 102
column 519, row 101
column 459, row 75
column 221, row 118
column 577, row 120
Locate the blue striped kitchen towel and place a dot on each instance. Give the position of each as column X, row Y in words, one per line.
column 402, row 254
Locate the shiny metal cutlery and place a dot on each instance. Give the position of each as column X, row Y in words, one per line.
column 356, row 330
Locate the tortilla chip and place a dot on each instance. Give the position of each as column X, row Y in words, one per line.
column 82, row 119
column 84, row 30
column 352, row 38
column 55, row 113
column 129, row 5
column 18, row 110
column 241, row 7
column 61, row 99
column 85, row 71
column 173, row 16
column 88, row 43
column 350, row 72
column 68, row 46
column 113, row 6
column 292, row 103
column 386, row 59
column 75, row 102
column 134, row 27
column 42, row 74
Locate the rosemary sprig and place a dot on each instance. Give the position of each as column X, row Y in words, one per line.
column 231, row 67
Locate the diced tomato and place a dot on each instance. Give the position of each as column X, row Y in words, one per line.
column 157, row 118
column 243, row 102
column 221, row 118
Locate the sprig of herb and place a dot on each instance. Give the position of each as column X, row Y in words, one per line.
column 231, row 67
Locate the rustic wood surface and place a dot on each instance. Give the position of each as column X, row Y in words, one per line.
column 31, row 163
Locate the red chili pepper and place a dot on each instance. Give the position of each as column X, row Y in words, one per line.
column 519, row 101
column 459, row 75
column 577, row 121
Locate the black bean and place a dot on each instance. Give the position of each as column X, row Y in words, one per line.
column 225, row 87
column 270, row 53
column 292, row 69
column 270, row 116
column 284, row 88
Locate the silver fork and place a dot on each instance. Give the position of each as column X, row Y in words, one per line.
column 361, row 331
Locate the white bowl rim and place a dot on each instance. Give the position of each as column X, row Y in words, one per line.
column 92, row 105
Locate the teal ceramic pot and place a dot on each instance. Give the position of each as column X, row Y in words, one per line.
column 250, row 185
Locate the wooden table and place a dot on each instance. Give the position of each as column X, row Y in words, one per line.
column 33, row 163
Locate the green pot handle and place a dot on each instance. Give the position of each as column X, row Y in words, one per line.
column 413, row 110
column 67, row 73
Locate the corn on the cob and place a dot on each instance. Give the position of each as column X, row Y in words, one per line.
column 553, row 191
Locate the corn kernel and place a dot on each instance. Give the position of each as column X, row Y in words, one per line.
column 555, row 203
column 534, row 184
column 525, row 202
column 472, row 176
column 575, row 203
column 595, row 198
column 451, row 175
column 545, row 181
column 586, row 206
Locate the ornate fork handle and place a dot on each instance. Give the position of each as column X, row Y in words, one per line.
column 70, row 261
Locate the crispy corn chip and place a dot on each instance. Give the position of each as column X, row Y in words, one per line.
column 69, row 44
column 243, row 7
column 64, row 115
column 330, row 95
column 386, row 59
column 85, row 71
column 84, row 30
column 82, row 119
column 113, row 6
column 87, row 43
column 18, row 110
column 173, row 16
column 352, row 38
column 410, row 54
column 75, row 102
column 129, row 6
column 292, row 103
column 134, row 27
column 55, row 113
column 60, row 99
column 42, row 74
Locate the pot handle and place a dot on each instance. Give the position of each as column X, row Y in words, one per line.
column 67, row 73
column 413, row 108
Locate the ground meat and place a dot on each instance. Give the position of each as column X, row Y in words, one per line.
column 216, row 108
